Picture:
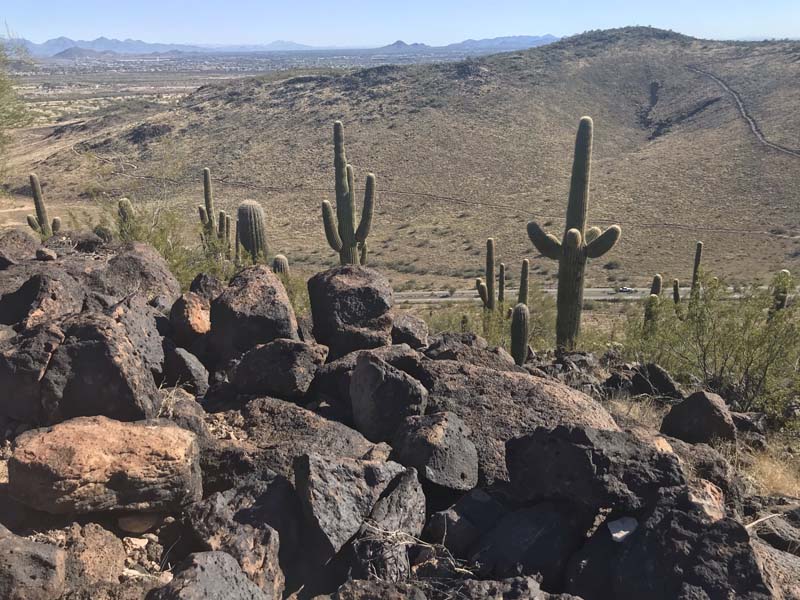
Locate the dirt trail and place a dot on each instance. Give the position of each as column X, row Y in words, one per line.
column 743, row 111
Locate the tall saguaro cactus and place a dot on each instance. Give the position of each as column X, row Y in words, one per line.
column 345, row 238
column 522, row 297
column 486, row 288
column 207, row 216
column 577, row 245
column 41, row 223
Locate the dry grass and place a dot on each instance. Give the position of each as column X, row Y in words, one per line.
column 775, row 471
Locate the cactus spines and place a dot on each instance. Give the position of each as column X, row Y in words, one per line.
column 501, row 284
column 280, row 265
column 208, row 198
column 125, row 210
column 345, row 238
column 578, row 243
column 252, row 230
column 482, row 292
column 39, row 223
column 655, row 287
column 520, row 318
column 523, row 282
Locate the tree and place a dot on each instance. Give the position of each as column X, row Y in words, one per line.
column 12, row 110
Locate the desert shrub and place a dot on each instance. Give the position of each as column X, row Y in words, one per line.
column 742, row 348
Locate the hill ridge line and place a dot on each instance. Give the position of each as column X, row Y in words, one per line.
column 743, row 111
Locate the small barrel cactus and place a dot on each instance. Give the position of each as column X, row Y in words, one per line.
column 520, row 329
column 125, row 211
column 252, row 229
column 280, row 265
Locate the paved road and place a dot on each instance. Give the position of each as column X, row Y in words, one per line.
column 444, row 296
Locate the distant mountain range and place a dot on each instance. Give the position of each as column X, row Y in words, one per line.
column 63, row 47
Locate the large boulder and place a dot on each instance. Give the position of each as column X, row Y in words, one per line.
column 270, row 433
column 469, row 348
column 591, row 468
column 254, row 309
column 18, row 245
column 501, row 405
column 438, row 446
column 383, row 397
column 23, row 363
column 98, row 369
column 223, row 526
column 536, row 540
column 337, row 495
column 30, row 570
column 381, row 547
column 351, row 307
column 461, row 526
column 282, row 368
column 409, row 329
column 136, row 268
column 42, row 298
column 93, row 464
column 672, row 551
column 702, row 418
column 331, row 385
column 207, row 575
column 184, row 369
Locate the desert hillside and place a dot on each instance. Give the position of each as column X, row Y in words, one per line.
column 463, row 151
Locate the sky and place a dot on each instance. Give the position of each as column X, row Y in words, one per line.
column 378, row 22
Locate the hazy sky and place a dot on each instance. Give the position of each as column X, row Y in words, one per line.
column 377, row 22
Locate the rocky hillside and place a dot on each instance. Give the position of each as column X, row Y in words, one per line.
column 214, row 444
column 478, row 148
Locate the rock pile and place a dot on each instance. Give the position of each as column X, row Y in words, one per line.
column 211, row 444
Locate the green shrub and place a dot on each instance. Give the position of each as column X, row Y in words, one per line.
column 743, row 348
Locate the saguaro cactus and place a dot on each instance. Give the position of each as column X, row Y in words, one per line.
column 280, row 265
column 520, row 318
column 698, row 256
column 125, row 211
column 653, row 301
column 522, row 298
column 501, row 284
column 780, row 289
column 41, row 223
column 486, row 288
column 350, row 242
column 207, row 214
column 578, row 243
column 655, row 287
column 252, row 230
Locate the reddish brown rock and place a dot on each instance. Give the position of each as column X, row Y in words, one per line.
column 95, row 464
column 190, row 318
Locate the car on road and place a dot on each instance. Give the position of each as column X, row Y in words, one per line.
column 625, row 290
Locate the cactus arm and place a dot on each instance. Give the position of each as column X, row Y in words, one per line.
column 523, row 282
column 577, row 205
column 604, row 242
column 366, row 214
column 592, row 234
column 221, row 225
column 40, row 206
column 482, row 291
column 655, row 287
column 547, row 244
column 203, row 215
column 362, row 253
column 329, row 222
column 33, row 224
column 520, row 318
